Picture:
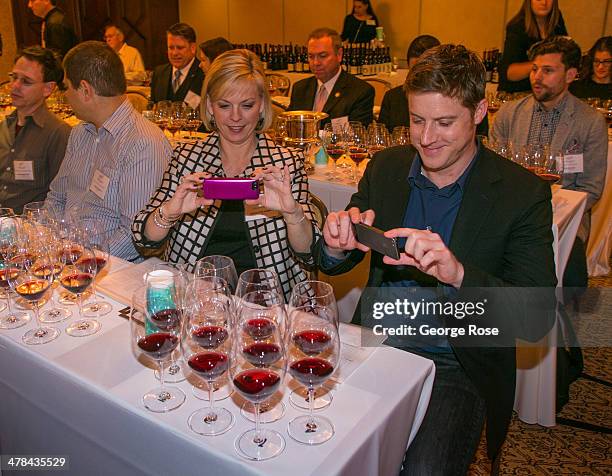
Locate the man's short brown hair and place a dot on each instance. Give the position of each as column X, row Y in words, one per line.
column 50, row 62
column 451, row 70
column 323, row 32
column 99, row 65
column 183, row 30
column 564, row 45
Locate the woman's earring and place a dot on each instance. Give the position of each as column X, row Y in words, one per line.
column 260, row 122
column 213, row 123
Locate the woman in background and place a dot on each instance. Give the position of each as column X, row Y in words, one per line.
column 210, row 49
column 535, row 21
column 360, row 25
column 595, row 74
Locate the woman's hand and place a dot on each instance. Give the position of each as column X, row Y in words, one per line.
column 277, row 190
column 188, row 196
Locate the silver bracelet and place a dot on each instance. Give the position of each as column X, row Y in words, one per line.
column 296, row 222
column 163, row 218
column 162, row 222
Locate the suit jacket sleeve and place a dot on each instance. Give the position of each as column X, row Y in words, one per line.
column 362, row 109
column 384, row 115
column 500, row 132
column 155, row 85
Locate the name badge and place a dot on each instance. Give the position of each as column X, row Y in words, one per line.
column 193, row 99
column 24, row 169
column 573, row 164
column 339, row 123
column 370, row 23
column 99, row 184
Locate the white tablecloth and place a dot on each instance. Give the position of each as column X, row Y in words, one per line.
column 81, row 397
column 536, row 364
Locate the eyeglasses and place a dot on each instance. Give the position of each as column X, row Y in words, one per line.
column 598, row 62
column 27, row 82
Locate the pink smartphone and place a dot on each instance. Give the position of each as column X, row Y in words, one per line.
column 236, row 188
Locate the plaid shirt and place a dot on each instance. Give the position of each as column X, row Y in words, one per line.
column 544, row 123
column 269, row 241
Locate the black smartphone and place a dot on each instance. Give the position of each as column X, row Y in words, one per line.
column 376, row 240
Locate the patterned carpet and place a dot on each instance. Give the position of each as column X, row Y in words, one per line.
column 564, row 450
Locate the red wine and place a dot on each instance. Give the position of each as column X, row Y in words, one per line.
column 23, row 260
column 166, row 319
column 71, row 255
column 209, row 365
column 33, row 289
column 311, row 371
column 88, row 262
column 359, row 157
column 158, row 345
column 335, row 153
column 5, row 275
column 259, row 328
column 257, row 384
column 312, row 342
column 262, row 353
column 76, row 283
column 209, row 337
column 43, row 271
column 549, row 177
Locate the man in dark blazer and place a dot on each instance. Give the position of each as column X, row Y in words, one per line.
column 331, row 90
column 56, row 32
column 181, row 79
column 470, row 223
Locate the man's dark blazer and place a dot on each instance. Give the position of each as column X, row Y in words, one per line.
column 59, row 35
column 161, row 83
column 502, row 235
column 350, row 97
column 394, row 111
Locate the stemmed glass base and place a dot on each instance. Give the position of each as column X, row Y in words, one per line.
column 269, row 411
column 299, row 398
column 175, row 371
column 163, row 399
column 222, row 390
column 83, row 327
column 260, row 445
column 40, row 335
column 14, row 320
column 211, row 421
column 310, row 430
column 57, row 314
column 97, row 309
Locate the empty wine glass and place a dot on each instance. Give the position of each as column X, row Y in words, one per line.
column 9, row 234
column 257, row 371
column 218, row 265
column 313, row 352
column 206, row 347
column 156, row 337
column 258, row 279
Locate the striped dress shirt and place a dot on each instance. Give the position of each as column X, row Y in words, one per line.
column 128, row 150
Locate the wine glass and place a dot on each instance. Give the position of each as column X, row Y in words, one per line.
column 257, row 371
column 76, row 278
column 96, row 240
column 33, row 279
column 156, row 329
column 192, row 121
column 206, row 347
column 378, row 138
column 260, row 314
column 161, row 112
column 313, row 351
column 357, row 146
column 313, row 293
column 335, row 146
column 258, row 279
column 176, row 118
column 218, row 265
column 399, row 136
column 552, row 166
column 9, row 234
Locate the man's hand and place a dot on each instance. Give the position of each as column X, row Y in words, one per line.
column 339, row 233
column 427, row 252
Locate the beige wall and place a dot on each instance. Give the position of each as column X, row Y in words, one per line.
column 479, row 24
column 7, row 30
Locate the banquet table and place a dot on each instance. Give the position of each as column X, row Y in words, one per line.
column 81, row 398
column 536, row 363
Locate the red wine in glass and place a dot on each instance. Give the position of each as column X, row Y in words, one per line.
column 89, row 262
column 33, row 289
column 7, row 274
column 260, row 327
column 335, row 153
column 256, row 385
column 311, row 371
column 209, row 337
column 359, row 155
column 43, row 271
column 70, row 255
column 76, row 283
column 312, row 342
column 209, row 365
column 158, row 345
column 166, row 319
column 549, row 177
column 261, row 354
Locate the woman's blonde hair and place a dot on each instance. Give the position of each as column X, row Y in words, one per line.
column 230, row 69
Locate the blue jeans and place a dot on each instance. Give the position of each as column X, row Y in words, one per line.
column 448, row 438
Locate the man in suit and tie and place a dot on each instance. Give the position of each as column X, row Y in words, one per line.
column 181, row 79
column 331, row 90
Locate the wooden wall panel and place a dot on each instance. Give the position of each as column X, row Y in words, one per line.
column 209, row 18
column 256, row 22
column 585, row 23
column 300, row 21
column 401, row 22
column 9, row 45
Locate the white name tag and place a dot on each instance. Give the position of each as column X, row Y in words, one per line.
column 99, row 184
column 24, row 169
column 573, row 164
column 193, row 99
column 339, row 123
column 370, row 23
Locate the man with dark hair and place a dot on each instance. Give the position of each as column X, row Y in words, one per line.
column 130, row 57
column 442, row 198
column 553, row 117
column 331, row 90
column 32, row 139
column 116, row 158
column 181, row 79
column 55, row 32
